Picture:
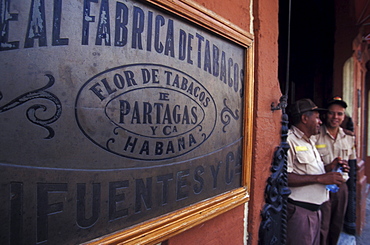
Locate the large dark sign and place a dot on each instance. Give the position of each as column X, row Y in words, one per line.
column 112, row 113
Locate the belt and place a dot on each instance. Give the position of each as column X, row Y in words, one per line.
column 306, row 205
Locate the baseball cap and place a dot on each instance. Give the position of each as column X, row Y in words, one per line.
column 304, row 105
column 337, row 100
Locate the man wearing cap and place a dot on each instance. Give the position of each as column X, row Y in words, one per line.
column 307, row 178
column 333, row 142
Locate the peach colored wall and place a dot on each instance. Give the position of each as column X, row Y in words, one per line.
column 267, row 123
column 236, row 11
column 228, row 227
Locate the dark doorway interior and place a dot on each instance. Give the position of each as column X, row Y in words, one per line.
column 312, row 28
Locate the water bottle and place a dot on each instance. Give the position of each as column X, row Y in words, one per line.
column 333, row 187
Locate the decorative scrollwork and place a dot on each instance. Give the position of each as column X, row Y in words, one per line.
column 282, row 105
column 225, row 118
column 112, row 140
column 274, row 214
column 31, row 111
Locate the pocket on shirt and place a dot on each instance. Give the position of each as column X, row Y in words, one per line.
column 305, row 157
column 324, row 154
column 345, row 153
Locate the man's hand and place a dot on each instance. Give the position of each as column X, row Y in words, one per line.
column 344, row 165
column 331, row 178
column 337, row 163
column 296, row 180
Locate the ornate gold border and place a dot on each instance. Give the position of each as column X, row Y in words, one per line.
column 163, row 227
column 166, row 226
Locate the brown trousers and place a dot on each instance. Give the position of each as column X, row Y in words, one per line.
column 333, row 213
column 303, row 226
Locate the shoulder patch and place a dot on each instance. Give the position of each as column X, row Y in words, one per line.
column 301, row 148
column 320, row 146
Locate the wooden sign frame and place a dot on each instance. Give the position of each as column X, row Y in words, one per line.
column 166, row 226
